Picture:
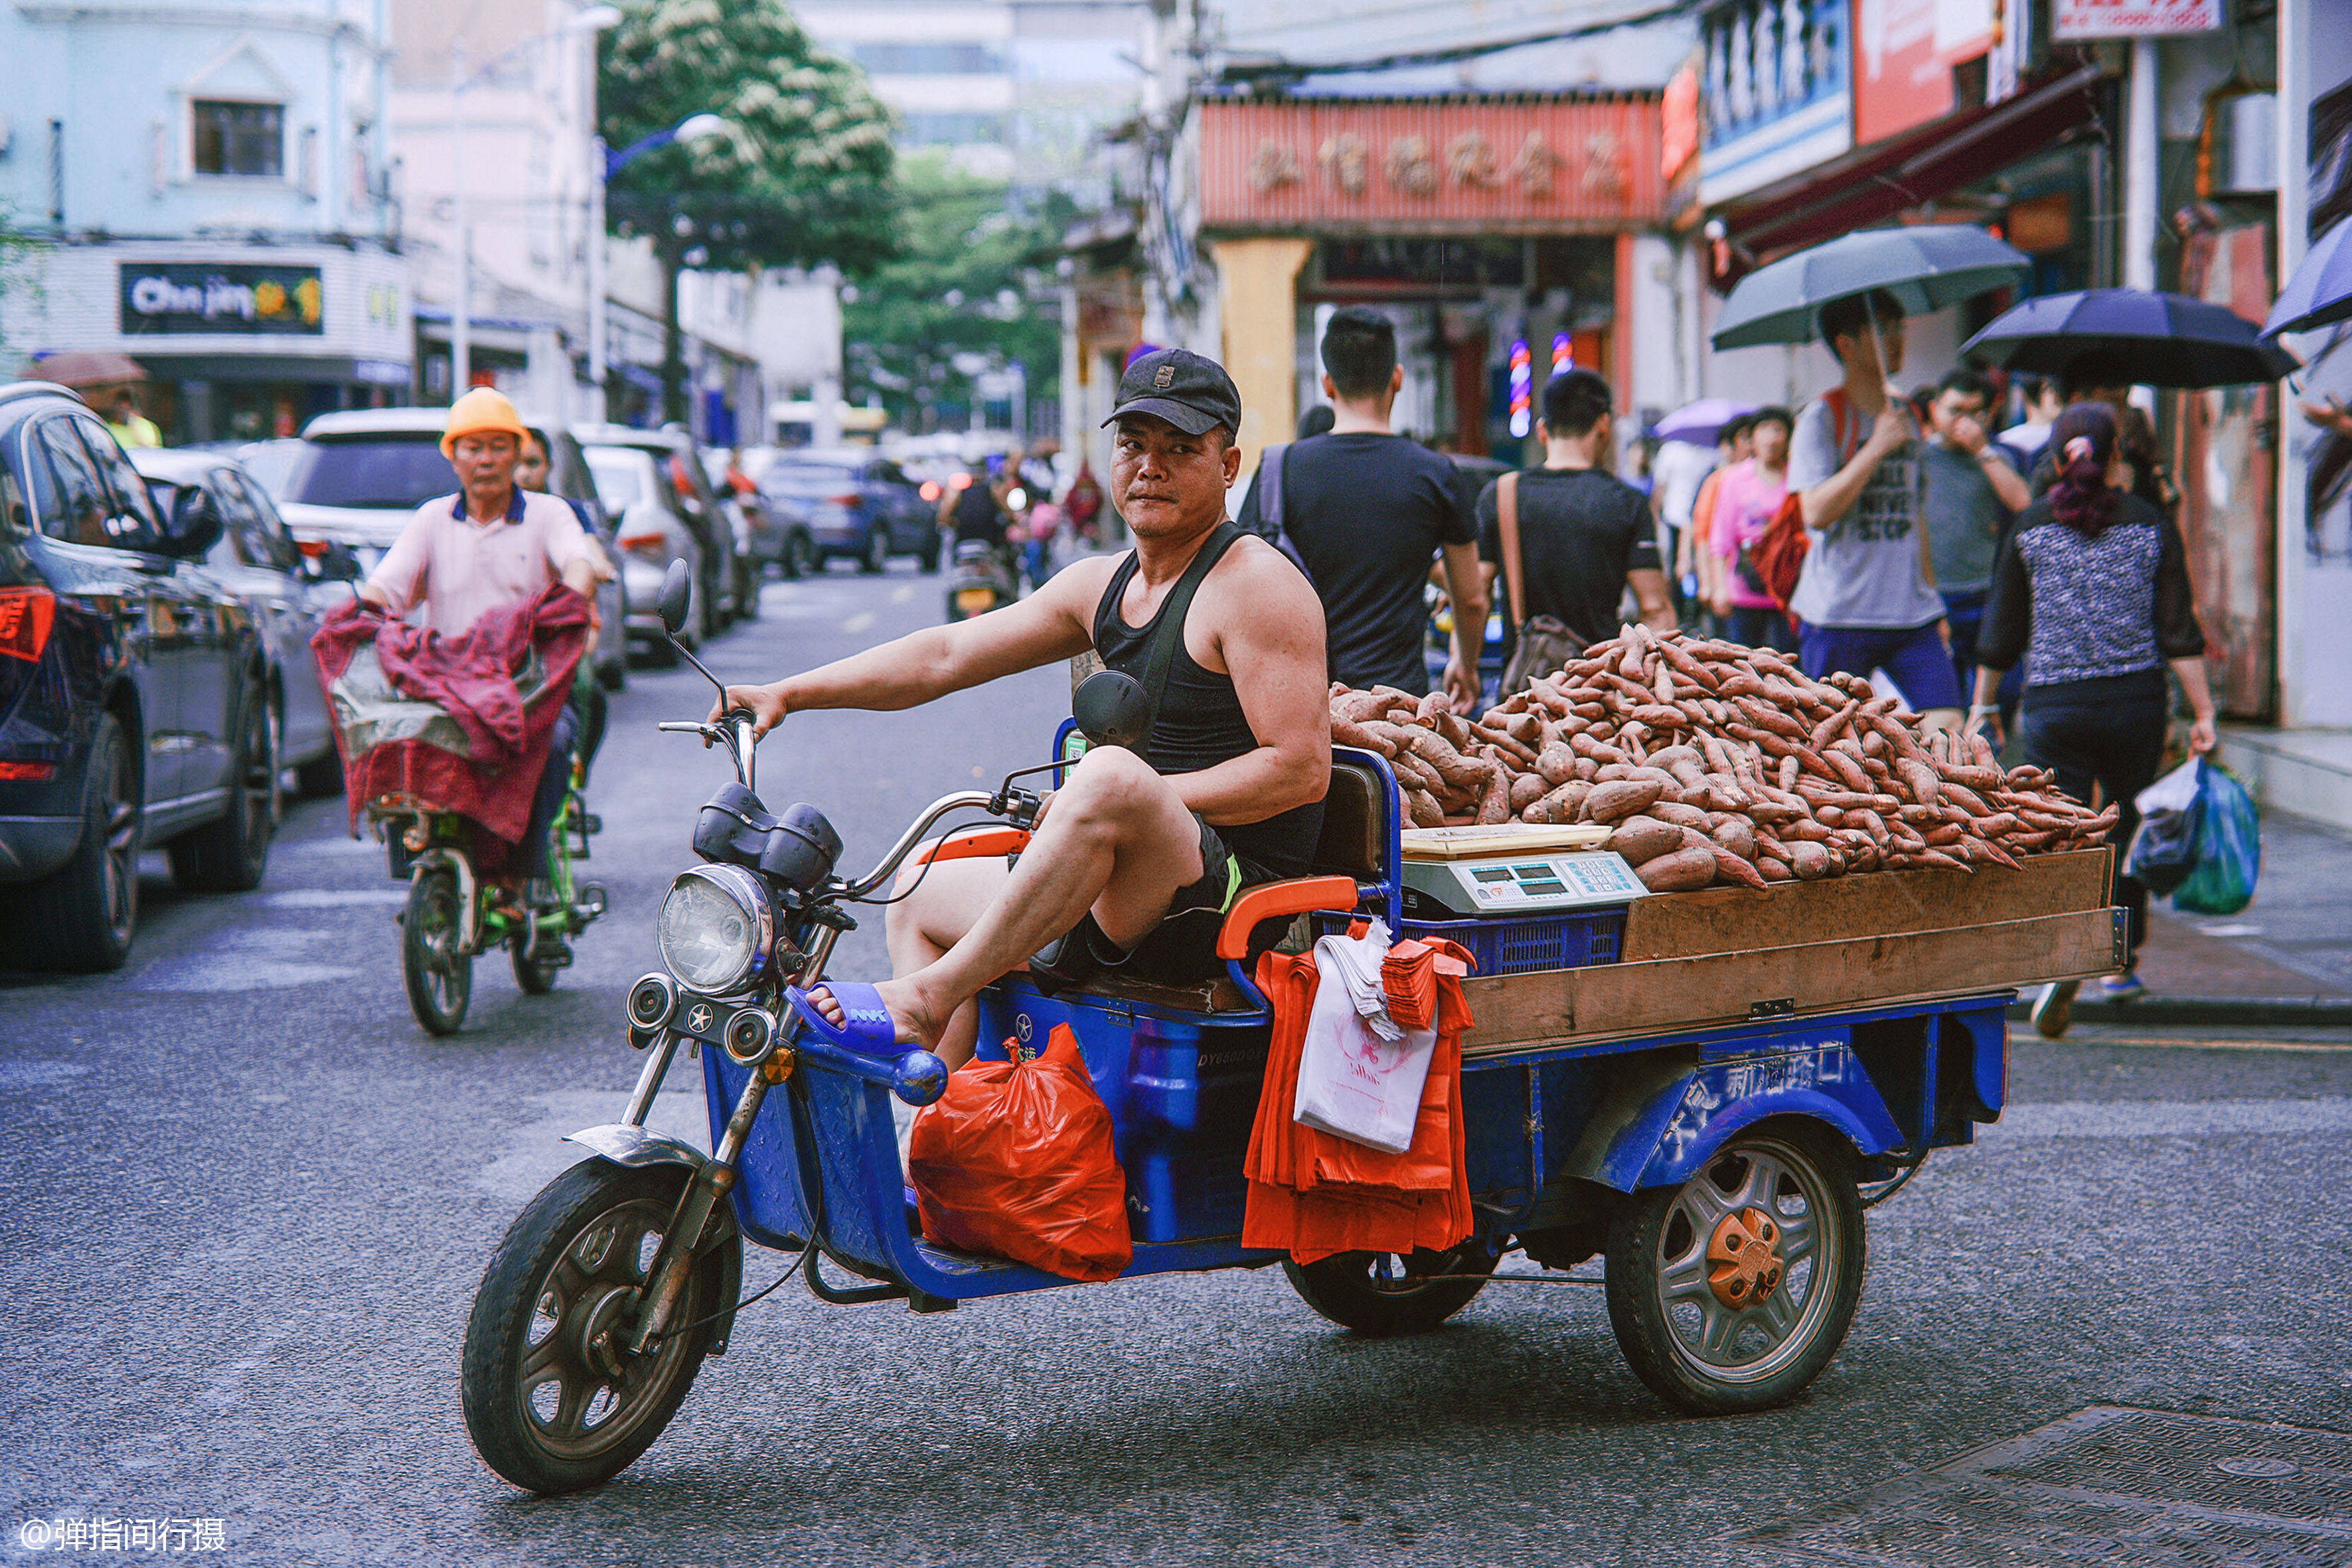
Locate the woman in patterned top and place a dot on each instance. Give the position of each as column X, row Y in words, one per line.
column 2093, row 589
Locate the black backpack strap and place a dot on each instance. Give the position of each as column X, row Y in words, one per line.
column 1169, row 635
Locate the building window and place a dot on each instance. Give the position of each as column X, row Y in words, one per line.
column 928, row 59
column 952, row 129
column 240, row 138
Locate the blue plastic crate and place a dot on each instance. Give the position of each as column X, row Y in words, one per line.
column 1573, row 938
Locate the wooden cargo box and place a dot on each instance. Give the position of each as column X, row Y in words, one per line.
column 1725, row 956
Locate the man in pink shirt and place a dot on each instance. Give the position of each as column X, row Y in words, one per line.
column 492, row 543
column 1744, row 500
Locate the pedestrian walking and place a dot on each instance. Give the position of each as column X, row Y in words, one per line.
column 2093, row 591
column 1866, row 596
column 131, row 428
column 1750, row 494
column 1569, row 539
column 1969, row 493
column 1677, row 474
column 2106, row 378
column 1366, row 510
column 1696, row 566
column 2043, row 403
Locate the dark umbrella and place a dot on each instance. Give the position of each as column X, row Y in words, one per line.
column 2319, row 291
column 1925, row 267
column 77, row 368
column 2164, row 340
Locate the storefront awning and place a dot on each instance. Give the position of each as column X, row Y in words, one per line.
column 1873, row 183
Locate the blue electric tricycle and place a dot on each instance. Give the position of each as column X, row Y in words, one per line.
column 1721, row 1175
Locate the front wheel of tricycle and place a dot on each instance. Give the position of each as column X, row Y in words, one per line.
column 1731, row 1291
column 1389, row 1293
column 433, row 966
column 554, row 1401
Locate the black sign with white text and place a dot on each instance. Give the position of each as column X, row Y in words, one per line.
column 181, row 296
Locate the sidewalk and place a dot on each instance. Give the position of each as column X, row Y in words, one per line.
column 2285, row 959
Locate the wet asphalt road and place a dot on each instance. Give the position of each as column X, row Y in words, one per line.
column 245, row 1202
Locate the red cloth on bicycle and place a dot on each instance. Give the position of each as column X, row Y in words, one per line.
column 1313, row 1195
column 472, row 678
column 1016, row 1160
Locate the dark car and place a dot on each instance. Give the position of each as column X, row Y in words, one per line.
column 730, row 585
column 362, row 473
column 135, row 696
column 289, row 592
column 861, row 506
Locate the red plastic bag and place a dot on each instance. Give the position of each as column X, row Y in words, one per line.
column 1016, row 1160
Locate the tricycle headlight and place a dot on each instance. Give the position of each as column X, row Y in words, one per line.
column 716, row 927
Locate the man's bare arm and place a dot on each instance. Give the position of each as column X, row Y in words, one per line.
column 1649, row 587
column 1270, row 635
column 1468, row 589
column 1055, row 622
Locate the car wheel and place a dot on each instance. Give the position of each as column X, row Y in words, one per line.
column 747, row 588
column 796, row 556
column 81, row 916
column 229, row 854
column 878, row 552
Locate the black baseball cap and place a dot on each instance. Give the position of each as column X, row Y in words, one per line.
column 1190, row 391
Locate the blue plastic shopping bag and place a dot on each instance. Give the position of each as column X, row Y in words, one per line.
column 2229, row 847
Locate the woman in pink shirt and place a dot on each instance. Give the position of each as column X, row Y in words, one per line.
column 1745, row 498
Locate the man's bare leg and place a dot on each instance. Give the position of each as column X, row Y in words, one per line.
column 1118, row 840
column 938, row 906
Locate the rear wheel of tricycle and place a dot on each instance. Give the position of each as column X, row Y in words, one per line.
column 1731, row 1291
column 1391, row 1293
column 554, row 1401
column 437, row 972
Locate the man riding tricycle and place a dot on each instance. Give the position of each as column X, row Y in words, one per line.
column 1201, row 816
column 459, row 731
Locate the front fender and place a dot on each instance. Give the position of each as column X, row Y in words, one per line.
column 1666, row 1116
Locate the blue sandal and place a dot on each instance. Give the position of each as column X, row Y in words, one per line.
column 866, row 1026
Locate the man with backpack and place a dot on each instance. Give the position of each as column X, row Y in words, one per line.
column 1568, row 538
column 1866, row 594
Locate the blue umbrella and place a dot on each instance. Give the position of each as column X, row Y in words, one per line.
column 1925, row 267
column 2319, row 291
column 1700, row 423
column 2163, row 339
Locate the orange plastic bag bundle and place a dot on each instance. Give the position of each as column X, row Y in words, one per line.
column 1313, row 1195
column 1016, row 1160
column 1409, row 977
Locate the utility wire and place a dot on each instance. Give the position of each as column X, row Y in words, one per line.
column 1451, row 54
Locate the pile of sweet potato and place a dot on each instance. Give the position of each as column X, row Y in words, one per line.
column 1713, row 763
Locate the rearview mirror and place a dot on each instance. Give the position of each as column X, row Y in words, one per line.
column 677, row 594
column 194, row 525
column 1111, row 709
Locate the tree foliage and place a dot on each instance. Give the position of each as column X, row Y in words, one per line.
column 803, row 175
column 973, row 290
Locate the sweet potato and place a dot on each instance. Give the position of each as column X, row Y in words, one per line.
column 1682, row 871
column 1526, row 789
column 1738, row 835
column 1347, row 733
column 1642, row 838
column 1679, row 814
column 1736, row 868
column 1495, row 801
column 1616, row 801
column 1425, row 809
column 1809, row 861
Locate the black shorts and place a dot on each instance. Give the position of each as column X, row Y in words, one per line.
column 1181, row 949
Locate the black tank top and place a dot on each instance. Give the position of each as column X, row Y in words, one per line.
column 1200, row 722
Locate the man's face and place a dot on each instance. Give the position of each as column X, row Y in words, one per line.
column 486, row 461
column 1950, row 408
column 530, row 467
column 1860, row 351
column 1167, row 483
column 1771, row 442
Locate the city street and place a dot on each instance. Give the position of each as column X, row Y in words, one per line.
column 248, row 1202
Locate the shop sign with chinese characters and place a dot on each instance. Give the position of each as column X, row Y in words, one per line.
column 1397, row 165
column 2074, row 20
column 165, row 297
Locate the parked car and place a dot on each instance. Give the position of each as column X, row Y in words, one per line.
column 135, row 708
column 768, row 529
column 287, row 592
column 363, row 472
column 861, row 507
column 652, row 531
column 727, row 578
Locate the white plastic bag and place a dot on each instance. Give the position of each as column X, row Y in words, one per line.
column 1352, row 1082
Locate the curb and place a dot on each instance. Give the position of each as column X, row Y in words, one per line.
column 2326, row 1012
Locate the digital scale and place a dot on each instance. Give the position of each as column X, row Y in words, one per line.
column 1504, row 871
